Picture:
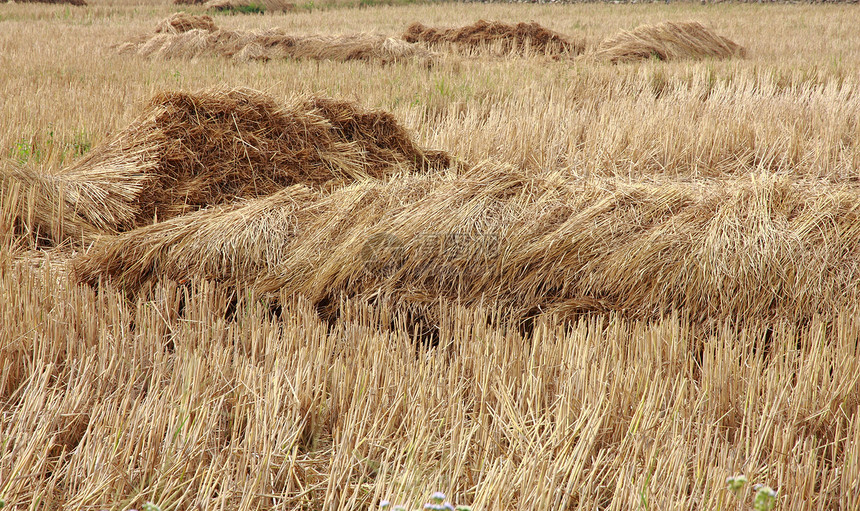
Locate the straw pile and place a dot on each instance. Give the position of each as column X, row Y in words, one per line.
column 740, row 249
column 668, row 41
column 183, row 22
column 505, row 37
column 250, row 6
column 206, row 39
column 190, row 150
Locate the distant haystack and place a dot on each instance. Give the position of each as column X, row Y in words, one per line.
column 191, row 150
column 737, row 249
column 183, row 22
column 668, row 41
column 504, row 37
column 250, row 6
column 272, row 44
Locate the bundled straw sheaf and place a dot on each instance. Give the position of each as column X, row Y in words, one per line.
column 208, row 40
column 190, row 150
column 504, row 37
column 760, row 248
column 183, row 22
column 668, row 41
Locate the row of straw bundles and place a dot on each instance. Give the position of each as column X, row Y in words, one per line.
column 761, row 248
column 187, row 36
column 191, row 150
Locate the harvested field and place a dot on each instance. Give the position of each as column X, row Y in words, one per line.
column 190, row 150
column 668, row 41
column 498, row 35
column 635, row 281
column 183, row 22
column 273, row 44
column 525, row 244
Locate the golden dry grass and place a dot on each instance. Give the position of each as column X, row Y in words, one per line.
column 680, row 235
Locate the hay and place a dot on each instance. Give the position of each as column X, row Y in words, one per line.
column 190, row 150
column 505, row 37
column 738, row 249
column 275, row 44
column 250, row 6
column 183, row 22
column 668, row 41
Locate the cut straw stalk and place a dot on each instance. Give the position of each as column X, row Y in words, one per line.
column 741, row 248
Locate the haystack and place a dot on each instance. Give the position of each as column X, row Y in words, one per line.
column 505, row 37
column 668, row 41
column 274, row 44
column 763, row 249
column 183, row 22
column 250, row 6
column 190, row 150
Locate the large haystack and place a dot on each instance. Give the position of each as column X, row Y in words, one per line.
column 668, row 41
column 737, row 249
column 183, row 22
column 191, row 150
column 274, row 44
column 503, row 37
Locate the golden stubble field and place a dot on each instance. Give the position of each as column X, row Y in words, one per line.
column 665, row 295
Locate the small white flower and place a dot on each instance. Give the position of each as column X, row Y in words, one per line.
column 438, row 497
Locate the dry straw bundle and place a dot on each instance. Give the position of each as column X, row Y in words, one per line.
column 668, row 41
column 190, row 150
column 207, row 40
column 183, row 22
column 738, row 249
column 505, row 37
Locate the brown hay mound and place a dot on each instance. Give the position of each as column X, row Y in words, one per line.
column 509, row 38
column 190, row 150
column 250, row 6
column 668, row 41
column 189, row 2
column 183, row 22
column 730, row 249
column 275, row 44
